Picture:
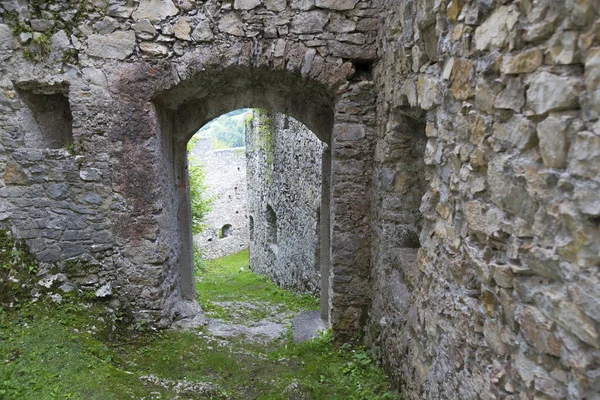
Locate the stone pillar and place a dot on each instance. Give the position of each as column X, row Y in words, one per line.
column 325, row 232
column 184, row 218
column 352, row 149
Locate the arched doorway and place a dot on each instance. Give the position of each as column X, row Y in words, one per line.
column 163, row 109
column 187, row 107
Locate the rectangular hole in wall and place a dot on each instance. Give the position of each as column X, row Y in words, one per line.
column 47, row 122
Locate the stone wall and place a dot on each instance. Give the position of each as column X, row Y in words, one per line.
column 494, row 104
column 109, row 93
column 461, row 180
column 284, row 198
column 227, row 222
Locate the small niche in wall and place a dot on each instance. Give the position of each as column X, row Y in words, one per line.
column 225, row 231
column 251, row 227
column 363, row 70
column 271, row 225
column 47, row 120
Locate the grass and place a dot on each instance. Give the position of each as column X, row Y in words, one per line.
column 78, row 350
column 229, row 279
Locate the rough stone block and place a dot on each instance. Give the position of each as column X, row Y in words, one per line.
column 524, row 62
column 337, row 4
column 493, row 33
column 155, row 10
column 554, row 143
column 550, row 92
column 118, row 45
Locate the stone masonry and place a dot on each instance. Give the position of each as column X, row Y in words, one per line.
column 488, row 151
column 226, row 229
column 284, row 200
column 459, row 225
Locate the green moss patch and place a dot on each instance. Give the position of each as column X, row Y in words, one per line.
column 75, row 350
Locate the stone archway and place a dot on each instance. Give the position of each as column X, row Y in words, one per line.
column 169, row 110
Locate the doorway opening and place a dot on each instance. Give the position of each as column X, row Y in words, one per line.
column 265, row 196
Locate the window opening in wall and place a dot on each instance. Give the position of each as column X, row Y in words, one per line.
column 271, row 218
column 48, row 120
column 251, row 227
column 225, row 231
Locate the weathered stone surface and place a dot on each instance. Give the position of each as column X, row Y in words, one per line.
column 336, row 4
column 481, row 219
column 106, row 26
column 154, row 49
column 549, row 92
column 7, row 40
column 584, row 156
column 518, row 132
column 339, row 24
column 202, row 32
column 563, row 50
column 41, row 25
column 145, row 26
column 284, row 232
column 512, row 97
column 592, row 82
column 155, row 10
column 587, row 199
column 524, row 62
column 427, row 91
column 121, row 9
column 246, row 4
column 309, row 22
column 554, row 144
column 275, row 5
column 538, row 330
column 303, row 5
column 232, row 23
column 351, row 51
column 118, row 45
column 182, row 29
column 461, row 245
column 494, row 31
column 463, row 72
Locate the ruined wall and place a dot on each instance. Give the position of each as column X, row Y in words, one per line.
column 118, row 87
column 479, row 272
column 226, row 229
column 284, row 198
column 499, row 298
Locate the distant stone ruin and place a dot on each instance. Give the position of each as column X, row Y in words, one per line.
column 284, row 201
column 227, row 229
column 459, row 227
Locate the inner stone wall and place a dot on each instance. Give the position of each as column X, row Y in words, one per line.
column 501, row 299
column 284, row 199
column 226, row 229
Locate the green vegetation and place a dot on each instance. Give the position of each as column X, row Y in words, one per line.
column 200, row 200
column 229, row 130
column 40, row 47
column 265, row 139
column 229, row 279
column 16, row 268
column 266, row 134
column 80, row 349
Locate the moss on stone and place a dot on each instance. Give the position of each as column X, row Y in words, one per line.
column 17, row 266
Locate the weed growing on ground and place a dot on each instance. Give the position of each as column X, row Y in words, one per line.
column 75, row 351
